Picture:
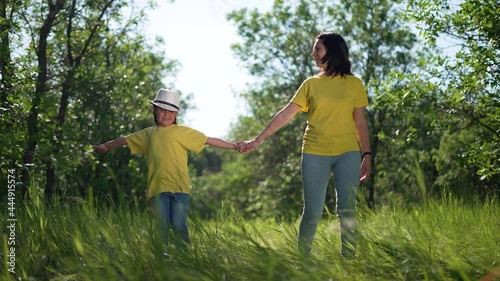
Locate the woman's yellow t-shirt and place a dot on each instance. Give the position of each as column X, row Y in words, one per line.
column 166, row 151
column 330, row 102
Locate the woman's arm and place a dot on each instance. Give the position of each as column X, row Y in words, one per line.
column 362, row 128
column 364, row 141
column 279, row 120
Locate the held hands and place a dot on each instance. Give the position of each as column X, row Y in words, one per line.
column 244, row 147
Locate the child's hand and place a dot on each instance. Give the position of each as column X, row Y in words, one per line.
column 239, row 146
column 247, row 146
column 100, row 147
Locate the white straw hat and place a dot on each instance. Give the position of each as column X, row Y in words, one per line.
column 167, row 99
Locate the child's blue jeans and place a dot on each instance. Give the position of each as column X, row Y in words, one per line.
column 171, row 212
column 316, row 172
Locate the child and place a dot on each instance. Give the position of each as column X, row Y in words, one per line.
column 165, row 147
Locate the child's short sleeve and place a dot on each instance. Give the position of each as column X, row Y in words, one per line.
column 191, row 139
column 137, row 142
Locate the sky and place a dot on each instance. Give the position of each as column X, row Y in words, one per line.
column 198, row 35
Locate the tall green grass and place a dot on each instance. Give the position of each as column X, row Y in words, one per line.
column 75, row 240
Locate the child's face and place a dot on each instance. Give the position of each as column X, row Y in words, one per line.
column 164, row 117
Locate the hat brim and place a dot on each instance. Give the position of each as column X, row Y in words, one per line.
column 164, row 106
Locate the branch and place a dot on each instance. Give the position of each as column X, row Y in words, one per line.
column 93, row 31
column 69, row 31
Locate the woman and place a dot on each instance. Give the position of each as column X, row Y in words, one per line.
column 336, row 132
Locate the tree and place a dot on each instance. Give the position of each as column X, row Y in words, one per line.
column 381, row 44
column 40, row 88
column 94, row 72
column 276, row 50
column 10, row 108
column 469, row 96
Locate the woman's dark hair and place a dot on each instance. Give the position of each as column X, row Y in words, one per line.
column 337, row 54
column 156, row 120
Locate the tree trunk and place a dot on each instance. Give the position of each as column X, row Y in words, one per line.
column 74, row 62
column 5, row 60
column 371, row 187
column 40, row 89
column 374, row 145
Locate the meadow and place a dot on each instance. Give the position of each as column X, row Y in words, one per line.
column 446, row 239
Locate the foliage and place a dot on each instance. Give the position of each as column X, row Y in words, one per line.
column 276, row 50
column 381, row 43
column 79, row 240
column 429, row 112
column 79, row 73
column 469, row 98
column 76, row 73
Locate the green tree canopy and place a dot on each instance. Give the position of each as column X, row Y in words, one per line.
column 276, row 49
column 76, row 73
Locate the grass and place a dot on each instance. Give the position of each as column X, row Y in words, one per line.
column 443, row 240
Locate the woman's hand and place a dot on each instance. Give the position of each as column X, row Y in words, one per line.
column 247, row 146
column 366, row 167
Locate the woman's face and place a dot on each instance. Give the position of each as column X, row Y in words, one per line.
column 164, row 117
column 319, row 51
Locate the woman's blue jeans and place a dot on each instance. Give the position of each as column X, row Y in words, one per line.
column 171, row 212
column 316, row 172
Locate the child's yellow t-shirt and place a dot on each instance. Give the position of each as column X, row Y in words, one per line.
column 166, row 151
column 330, row 103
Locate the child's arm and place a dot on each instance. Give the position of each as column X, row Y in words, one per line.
column 110, row 144
column 220, row 143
